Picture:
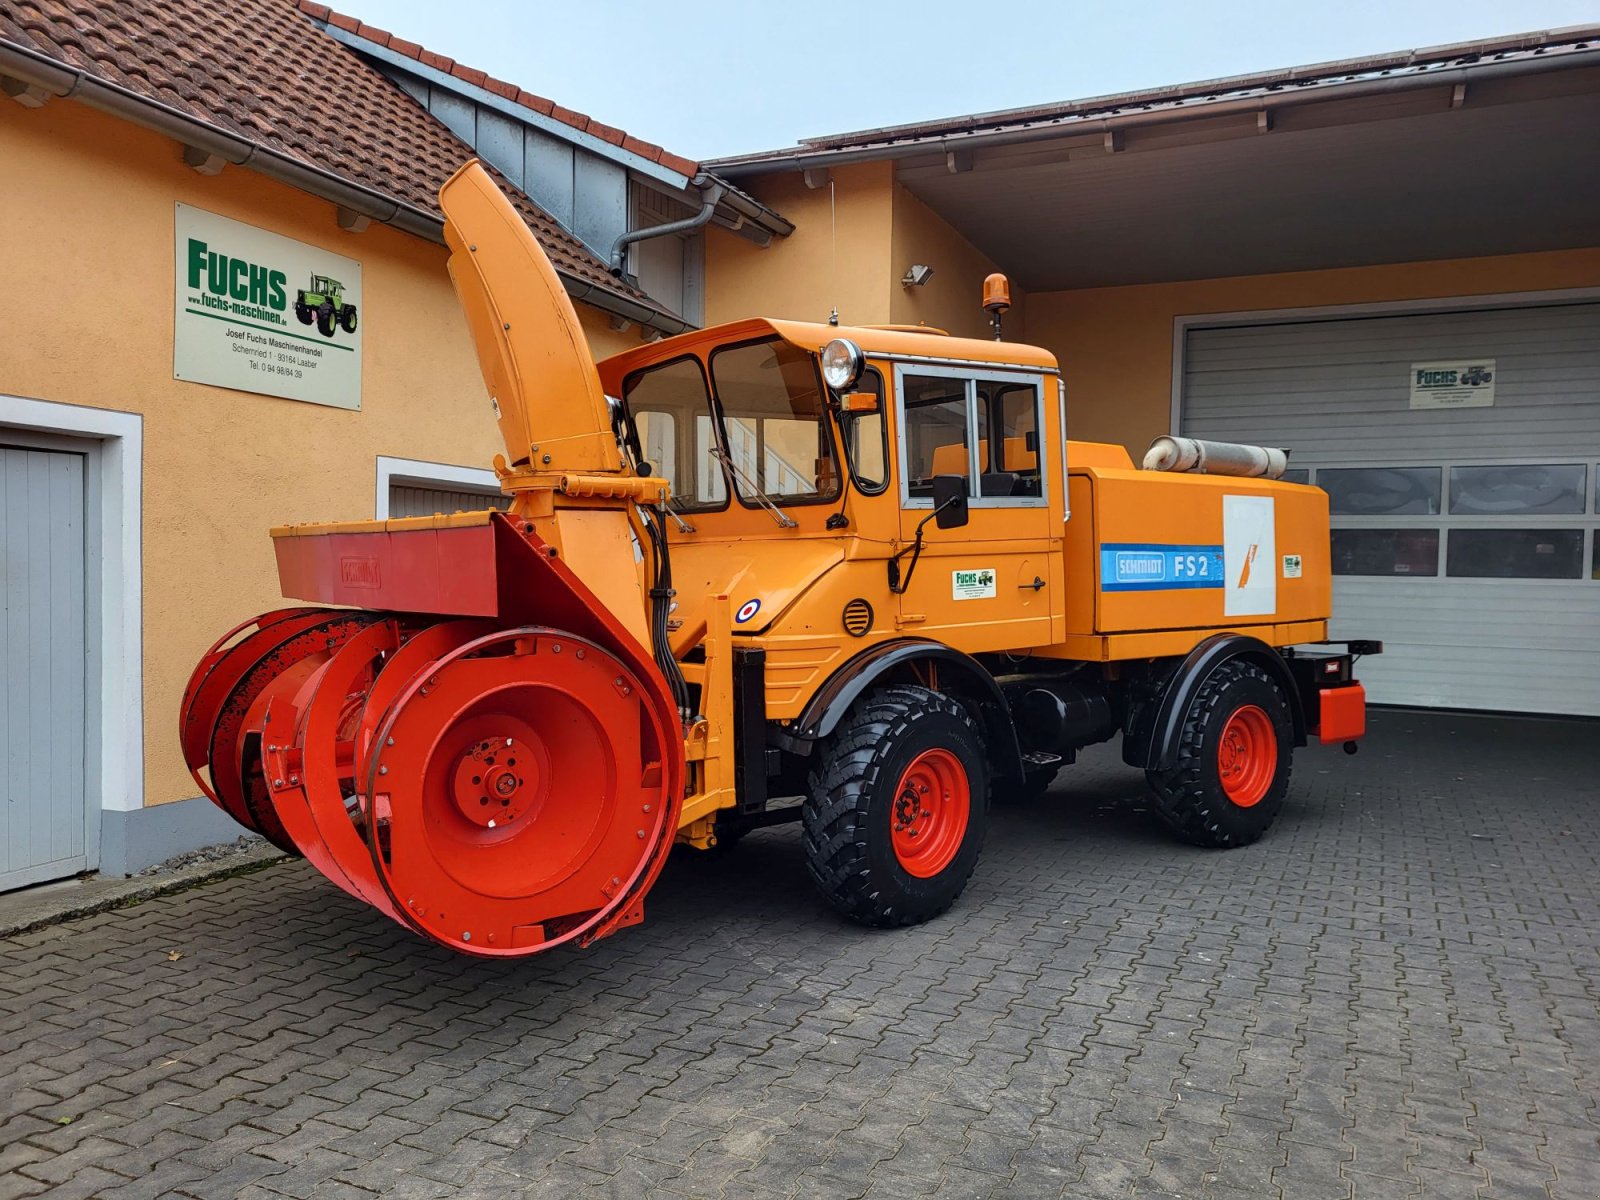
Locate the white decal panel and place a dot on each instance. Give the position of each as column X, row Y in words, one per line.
column 976, row 584
column 1249, row 554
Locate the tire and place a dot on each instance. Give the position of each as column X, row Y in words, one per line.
column 304, row 314
column 347, row 318
column 1234, row 760
column 876, row 863
column 325, row 321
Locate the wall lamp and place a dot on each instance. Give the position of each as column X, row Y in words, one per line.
column 916, row 275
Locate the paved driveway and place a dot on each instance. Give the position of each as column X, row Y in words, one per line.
column 1394, row 995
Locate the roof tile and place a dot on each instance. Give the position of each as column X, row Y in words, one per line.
column 241, row 67
column 500, row 87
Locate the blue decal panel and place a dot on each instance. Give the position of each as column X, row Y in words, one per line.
column 1141, row 567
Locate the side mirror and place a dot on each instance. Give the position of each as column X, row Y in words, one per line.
column 950, row 501
column 857, row 404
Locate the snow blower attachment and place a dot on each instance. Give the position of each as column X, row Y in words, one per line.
column 494, row 726
column 480, row 746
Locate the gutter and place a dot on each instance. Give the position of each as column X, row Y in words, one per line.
column 57, row 79
column 1050, row 128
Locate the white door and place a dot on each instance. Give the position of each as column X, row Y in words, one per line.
column 1464, row 536
column 44, row 813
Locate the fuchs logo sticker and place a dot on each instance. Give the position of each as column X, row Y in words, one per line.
column 972, row 585
column 747, row 610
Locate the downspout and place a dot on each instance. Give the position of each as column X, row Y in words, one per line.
column 711, row 195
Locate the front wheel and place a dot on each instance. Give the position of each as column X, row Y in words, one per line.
column 897, row 808
column 1233, row 762
column 325, row 320
column 347, row 318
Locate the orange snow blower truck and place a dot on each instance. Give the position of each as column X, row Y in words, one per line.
column 767, row 571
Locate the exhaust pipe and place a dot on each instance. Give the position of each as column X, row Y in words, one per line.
column 1168, row 453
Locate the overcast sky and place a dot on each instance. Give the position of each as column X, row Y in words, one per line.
column 707, row 77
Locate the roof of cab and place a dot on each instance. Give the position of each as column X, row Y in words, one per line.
column 874, row 342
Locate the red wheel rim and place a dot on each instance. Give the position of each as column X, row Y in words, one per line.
column 1247, row 756
column 928, row 816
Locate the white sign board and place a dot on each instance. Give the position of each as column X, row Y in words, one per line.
column 262, row 313
column 1453, row 384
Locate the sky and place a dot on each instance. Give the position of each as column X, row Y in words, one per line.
column 707, row 78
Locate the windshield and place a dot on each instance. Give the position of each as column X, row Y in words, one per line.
column 772, row 408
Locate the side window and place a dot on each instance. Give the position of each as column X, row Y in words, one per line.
column 1008, row 426
column 866, row 438
column 937, row 433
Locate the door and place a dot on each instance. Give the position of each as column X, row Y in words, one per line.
column 989, row 585
column 44, row 810
column 1463, row 532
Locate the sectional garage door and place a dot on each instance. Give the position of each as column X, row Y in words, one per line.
column 1464, row 537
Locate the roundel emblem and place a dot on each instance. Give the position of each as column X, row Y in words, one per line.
column 747, row 610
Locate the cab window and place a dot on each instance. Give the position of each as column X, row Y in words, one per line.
column 986, row 430
column 672, row 413
column 771, row 403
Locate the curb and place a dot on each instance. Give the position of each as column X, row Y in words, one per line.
column 21, row 913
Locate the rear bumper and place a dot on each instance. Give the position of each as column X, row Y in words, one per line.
column 1335, row 705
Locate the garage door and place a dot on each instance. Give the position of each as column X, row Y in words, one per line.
column 1464, row 537
column 43, row 807
column 412, row 500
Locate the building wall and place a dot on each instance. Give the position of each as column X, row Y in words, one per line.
column 1115, row 345
column 881, row 230
column 89, row 268
column 805, row 275
column 953, row 299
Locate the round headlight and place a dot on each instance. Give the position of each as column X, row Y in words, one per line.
column 841, row 363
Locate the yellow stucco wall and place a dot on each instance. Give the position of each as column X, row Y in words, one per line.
column 803, row 276
column 953, row 299
column 882, row 230
column 91, row 231
column 1115, row 344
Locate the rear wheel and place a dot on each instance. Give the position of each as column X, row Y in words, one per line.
column 347, row 318
column 897, row 808
column 1234, row 760
column 325, row 320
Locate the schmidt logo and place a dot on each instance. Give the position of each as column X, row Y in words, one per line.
column 1136, row 566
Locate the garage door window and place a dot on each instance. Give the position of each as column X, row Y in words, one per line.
column 1516, row 554
column 1530, row 488
column 1481, row 521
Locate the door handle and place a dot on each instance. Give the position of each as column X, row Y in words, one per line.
column 1034, row 586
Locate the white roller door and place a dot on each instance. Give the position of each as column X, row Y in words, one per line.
column 1464, row 537
column 412, row 500
column 44, row 814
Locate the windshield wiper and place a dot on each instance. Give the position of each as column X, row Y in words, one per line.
column 672, row 511
column 746, row 484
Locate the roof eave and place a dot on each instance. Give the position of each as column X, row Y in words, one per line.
column 1176, row 106
column 66, row 81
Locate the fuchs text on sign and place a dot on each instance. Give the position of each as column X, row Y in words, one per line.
column 257, row 312
column 1453, row 384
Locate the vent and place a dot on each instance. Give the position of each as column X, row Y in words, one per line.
column 857, row 617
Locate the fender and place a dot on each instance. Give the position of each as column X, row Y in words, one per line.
column 830, row 702
column 1154, row 743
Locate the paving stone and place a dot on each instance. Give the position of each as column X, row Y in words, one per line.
column 1394, row 994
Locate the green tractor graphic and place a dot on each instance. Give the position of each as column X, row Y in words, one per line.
column 324, row 303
